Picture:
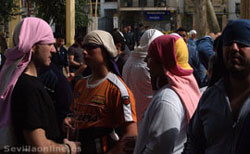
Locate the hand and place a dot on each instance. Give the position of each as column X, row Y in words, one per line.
column 68, row 122
column 75, row 147
column 129, row 144
column 212, row 35
column 72, row 75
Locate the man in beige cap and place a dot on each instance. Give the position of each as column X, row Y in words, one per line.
column 104, row 105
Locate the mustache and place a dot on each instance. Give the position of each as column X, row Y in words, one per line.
column 236, row 55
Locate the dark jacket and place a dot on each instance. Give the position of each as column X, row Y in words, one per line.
column 213, row 128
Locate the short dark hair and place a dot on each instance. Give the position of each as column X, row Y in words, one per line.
column 117, row 37
column 78, row 39
column 181, row 29
column 58, row 35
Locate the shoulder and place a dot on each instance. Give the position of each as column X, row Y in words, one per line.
column 167, row 97
column 29, row 83
column 64, row 49
column 214, row 95
column 29, row 90
column 166, row 93
column 71, row 49
column 118, row 83
column 81, row 83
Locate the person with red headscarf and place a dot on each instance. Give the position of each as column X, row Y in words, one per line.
column 174, row 102
column 27, row 112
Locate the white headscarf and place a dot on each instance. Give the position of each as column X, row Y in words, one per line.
column 103, row 38
column 146, row 39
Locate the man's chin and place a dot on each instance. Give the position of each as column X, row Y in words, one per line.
column 239, row 74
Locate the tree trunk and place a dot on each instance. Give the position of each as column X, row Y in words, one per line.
column 211, row 18
column 200, row 17
column 244, row 9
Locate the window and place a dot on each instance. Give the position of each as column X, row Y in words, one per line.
column 160, row 3
column 237, row 9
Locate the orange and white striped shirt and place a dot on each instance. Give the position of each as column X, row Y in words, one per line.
column 107, row 104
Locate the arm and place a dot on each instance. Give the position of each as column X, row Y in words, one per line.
column 38, row 139
column 66, row 63
column 195, row 143
column 79, row 70
column 125, row 118
column 73, row 62
column 67, row 70
column 127, row 142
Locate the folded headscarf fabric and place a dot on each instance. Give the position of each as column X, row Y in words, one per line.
column 28, row 32
column 237, row 31
column 103, row 38
column 172, row 52
column 147, row 37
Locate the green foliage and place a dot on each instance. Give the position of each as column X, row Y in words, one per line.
column 55, row 11
column 81, row 16
column 8, row 8
column 51, row 10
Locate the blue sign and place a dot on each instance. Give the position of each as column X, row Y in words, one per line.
column 154, row 17
column 157, row 12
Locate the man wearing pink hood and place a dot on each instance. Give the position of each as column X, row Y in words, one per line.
column 26, row 110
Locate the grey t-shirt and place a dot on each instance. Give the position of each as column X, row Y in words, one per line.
column 77, row 53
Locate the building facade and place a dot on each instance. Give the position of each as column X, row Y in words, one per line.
column 220, row 8
column 165, row 15
column 159, row 14
column 108, row 12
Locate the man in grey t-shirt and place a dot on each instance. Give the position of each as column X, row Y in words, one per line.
column 75, row 55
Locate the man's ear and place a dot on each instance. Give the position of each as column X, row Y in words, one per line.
column 33, row 48
column 118, row 46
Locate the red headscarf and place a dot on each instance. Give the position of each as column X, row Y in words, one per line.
column 172, row 52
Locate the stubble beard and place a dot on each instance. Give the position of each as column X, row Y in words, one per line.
column 239, row 74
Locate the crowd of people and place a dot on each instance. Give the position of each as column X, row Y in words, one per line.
column 141, row 92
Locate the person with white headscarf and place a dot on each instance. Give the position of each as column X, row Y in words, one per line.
column 24, row 102
column 136, row 73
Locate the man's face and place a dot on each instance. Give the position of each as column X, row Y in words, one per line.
column 236, row 58
column 129, row 28
column 183, row 34
column 155, row 67
column 42, row 54
column 59, row 42
column 193, row 36
column 93, row 55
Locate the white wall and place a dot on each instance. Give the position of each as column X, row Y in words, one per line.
column 107, row 5
column 231, row 9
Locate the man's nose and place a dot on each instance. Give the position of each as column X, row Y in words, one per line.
column 53, row 49
column 235, row 46
column 84, row 52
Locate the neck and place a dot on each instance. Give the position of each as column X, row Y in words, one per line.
column 31, row 69
column 99, row 73
column 238, row 90
column 159, row 82
column 239, row 85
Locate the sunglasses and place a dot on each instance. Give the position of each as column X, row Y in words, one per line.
column 91, row 46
